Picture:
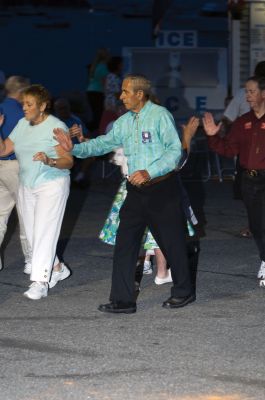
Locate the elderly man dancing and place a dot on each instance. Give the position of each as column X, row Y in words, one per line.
column 152, row 146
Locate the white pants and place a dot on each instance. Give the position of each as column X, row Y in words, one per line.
column 42, row 210
column 9, row 183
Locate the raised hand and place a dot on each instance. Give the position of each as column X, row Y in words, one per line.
column 209, row 125
column 63, row 138
column 189, row 131
column 77, row 131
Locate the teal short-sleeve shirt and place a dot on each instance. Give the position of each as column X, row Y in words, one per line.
column 30, row 139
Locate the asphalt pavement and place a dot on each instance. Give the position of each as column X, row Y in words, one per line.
column 62, row 347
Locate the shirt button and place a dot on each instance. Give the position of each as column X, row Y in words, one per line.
column 45, row 276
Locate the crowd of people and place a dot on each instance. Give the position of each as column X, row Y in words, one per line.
column 42, row 140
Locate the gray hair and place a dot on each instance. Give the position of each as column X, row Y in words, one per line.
column 140, row 82
column 15, row 84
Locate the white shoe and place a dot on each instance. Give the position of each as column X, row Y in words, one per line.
column 148, row 270
column 59, row 275
column 161, row 281
column 37, row 290
column 27, row 269
column 261, row 273
column 262, row 283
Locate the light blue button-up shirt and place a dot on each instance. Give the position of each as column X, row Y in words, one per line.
column 149, row 138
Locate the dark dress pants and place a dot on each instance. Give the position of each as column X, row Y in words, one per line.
column 157, row 206
column 253, row 192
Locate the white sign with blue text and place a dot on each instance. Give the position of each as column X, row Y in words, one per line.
column 186, row 81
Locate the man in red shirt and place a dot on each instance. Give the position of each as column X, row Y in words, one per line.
column 246, row 139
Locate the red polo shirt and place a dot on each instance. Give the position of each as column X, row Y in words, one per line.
column 246, row 139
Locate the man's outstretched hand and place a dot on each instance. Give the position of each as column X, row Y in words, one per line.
column 209, row 125
column 63, row 138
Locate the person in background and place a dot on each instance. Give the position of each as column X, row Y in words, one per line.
column 236, row 107
column 246, row 139
column 43, row 186
column 112, row 91
column 152, row 146
column 11, row 108
column 62, row 110
column 2, row 85
column 95, row 90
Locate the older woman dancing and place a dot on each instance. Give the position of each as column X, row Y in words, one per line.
column 44, row 187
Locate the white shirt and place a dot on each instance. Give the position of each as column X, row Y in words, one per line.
column 237, row 106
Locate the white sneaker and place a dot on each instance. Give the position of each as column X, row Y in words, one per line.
column 161, row 281
column 148, row 270
column 59, row 275
column 37, row 290
column 27, row 269
column 262, row 283
column 261, row 273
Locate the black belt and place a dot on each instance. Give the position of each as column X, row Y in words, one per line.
column 8, row 159
column 253, row 173
column 159, row 179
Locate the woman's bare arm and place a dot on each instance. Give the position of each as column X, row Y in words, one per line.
column 6, row 147
column 189, row 131
column 64, row 160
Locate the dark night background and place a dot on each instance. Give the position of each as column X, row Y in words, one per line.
column 52, row 41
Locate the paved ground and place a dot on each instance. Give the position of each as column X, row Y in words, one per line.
column 62, row 348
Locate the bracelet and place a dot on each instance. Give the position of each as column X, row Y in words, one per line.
column 52, row 162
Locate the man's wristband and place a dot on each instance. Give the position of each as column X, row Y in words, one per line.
column 52, row 162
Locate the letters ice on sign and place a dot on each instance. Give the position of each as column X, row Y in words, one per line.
column 180, row 39
column 180, row 78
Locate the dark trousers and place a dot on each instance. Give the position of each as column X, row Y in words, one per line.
column 253, row 192
column 158, row 207
column 193, row 252
column 238, row 181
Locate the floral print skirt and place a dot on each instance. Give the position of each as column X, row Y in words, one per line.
column 109, row 230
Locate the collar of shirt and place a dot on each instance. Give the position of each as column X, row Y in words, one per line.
column 143, row 110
